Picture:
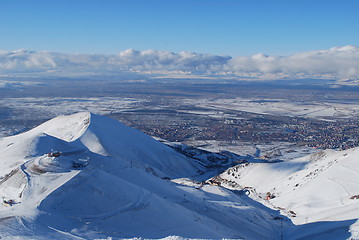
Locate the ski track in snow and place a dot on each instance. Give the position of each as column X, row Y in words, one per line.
column 340, row 185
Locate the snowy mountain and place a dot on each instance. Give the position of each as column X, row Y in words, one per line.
column 320, row 187
column 86, row 176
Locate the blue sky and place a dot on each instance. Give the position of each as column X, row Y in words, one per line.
column 225, row 27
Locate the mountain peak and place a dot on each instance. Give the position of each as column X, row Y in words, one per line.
column 68, row 128
column 106, row 137
column 85, row 175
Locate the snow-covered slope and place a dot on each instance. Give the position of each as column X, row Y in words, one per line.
column 103, row 179
column 103, row 136
column 320, row 187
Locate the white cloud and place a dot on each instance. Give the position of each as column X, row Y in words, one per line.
column 336, row 63
column 151, row 60
column 25, row 60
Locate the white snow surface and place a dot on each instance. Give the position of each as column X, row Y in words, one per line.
column 279, row 107
column 112, row 181
column 314, row 189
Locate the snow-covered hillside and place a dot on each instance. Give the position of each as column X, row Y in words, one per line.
column 320, row 187
column 86, row 176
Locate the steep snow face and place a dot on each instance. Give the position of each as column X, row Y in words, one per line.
column 103, row 136
column 108, row 137
column 120, row 142
column 87, row 176
column 321, row 187
column 79, row 135
column 67, row 128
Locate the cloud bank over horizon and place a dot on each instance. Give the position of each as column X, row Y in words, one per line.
column 337, row 63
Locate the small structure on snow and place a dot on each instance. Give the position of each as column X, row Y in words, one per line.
column 54, row 154
column 269, row 196
column 214, row 182
column 8, row 203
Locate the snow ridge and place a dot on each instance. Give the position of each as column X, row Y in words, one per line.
column 320, row 187
column 88, row 176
